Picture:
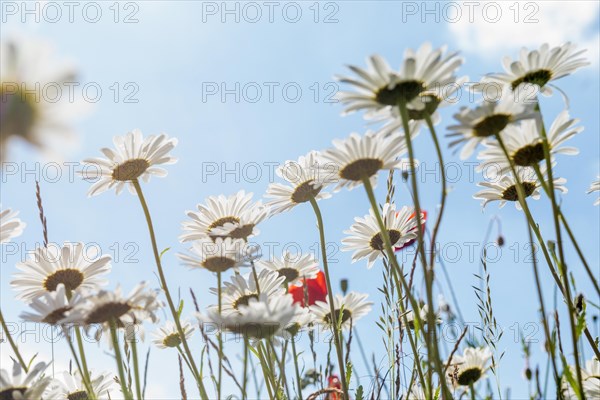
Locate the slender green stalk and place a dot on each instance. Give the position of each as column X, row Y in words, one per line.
column 399, row 280
column 88, row 387
column 565, row 289
column 472, row 390
column 266, row 370
column 220, row 337
column 569, row 232
column 563, row 263
column 245, row 369
column 297, row 369
column 163, row 282
column 86, row 372
column 119, row 360
column 432, row 341
column 13, row 344
column 334, row 326
column 440, row 157
column 549, row 342
column 136, row 368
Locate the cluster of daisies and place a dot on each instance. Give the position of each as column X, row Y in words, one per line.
column 275, row 298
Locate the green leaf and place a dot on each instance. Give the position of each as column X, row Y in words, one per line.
column 360, row 393
column 180, row 309
column 348, row 372
column 164, row 251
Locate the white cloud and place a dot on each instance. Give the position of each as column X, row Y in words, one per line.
column 526, row 24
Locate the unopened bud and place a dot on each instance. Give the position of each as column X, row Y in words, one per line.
column 500, row 241
column 528, row 373
column 344, row 285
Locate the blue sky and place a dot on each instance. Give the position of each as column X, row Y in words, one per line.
column 178, row 50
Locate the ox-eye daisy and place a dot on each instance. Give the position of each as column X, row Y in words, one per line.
column 20, row 385
column 468, row 368
column 293, row 267
column 261, row 318
column 52, row 308
column 365, row 236
column 241, row 290
column 72, row 387
column 347, row 310
column 524, row 143
column 595, row 187
column 10, row 226
column 72, row 266
column 486, row 120
column 539, row 67
column 417, row 83
column 361, row 157
column 140, row 305
column 33, row 104
column 306, row 181
column 167, row 336
column 505, row 188
column 134, row 157
column 218, row 255
column 590, row 376
column 234, row 216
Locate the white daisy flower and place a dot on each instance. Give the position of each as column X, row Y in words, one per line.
column 595, row 187
column 487, row 120
column 348, row 309
column 167, row 336
column 134, row 157
column 218, row 255
column 468, row 368
column 539, row 67
column 505, row 188
column 590, row 376
column 32, row 108
column 365, row 237
column 240, row 290
column 20, row 385
column 51, row 308
column 358, row 157
column 524, row 143
column 418, row 82
column 306, row 180
column 235, row 216
column 71, row 387
column 71, row 265
column 140, row 305
column 10, row 226
column 302, row 319
column 262, row 318
column 293, row 267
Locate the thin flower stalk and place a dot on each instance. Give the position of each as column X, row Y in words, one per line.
column 432, row 341
column 136, row 368
column 334, row 327
column 12, row 343
column 119, row 359
column 163, row 282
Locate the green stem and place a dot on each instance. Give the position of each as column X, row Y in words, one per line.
column 296, row 368
column 119, row 360
column 563, row 264
column 163, row 282
column 86, row 372
column 564, row 288
column 399, row 281
column 265, row 368
column 136, row 368
column 88, row 387
column 569, row 232
column 432, row 341
column 334, row 326
column 245, row 377
column 440, row 157
column 472, row 390
column 219, row 338
column 13, row 344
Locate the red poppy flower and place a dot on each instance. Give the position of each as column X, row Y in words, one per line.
column 410, row 242
column 334, row 383
column 316, row 289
